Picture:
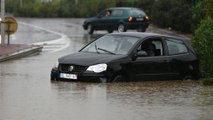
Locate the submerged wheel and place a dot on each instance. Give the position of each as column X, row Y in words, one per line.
column 188, row 77
column 109, row 31
column 118, row 78
column 90, row 29
column 121, row 28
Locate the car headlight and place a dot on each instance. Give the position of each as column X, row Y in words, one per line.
column 97, row 68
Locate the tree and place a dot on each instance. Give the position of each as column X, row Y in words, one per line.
column 203, row 43
column 172, row 13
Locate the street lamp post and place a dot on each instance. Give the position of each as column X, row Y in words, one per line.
column 2, row 21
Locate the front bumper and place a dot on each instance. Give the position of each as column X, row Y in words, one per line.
column 84, row 26
column 84, row 77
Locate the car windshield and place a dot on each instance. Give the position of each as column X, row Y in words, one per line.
column 111, row 45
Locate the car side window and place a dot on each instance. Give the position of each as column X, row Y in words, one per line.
column 153, row 47
column 105, row 13
column 176, row 46
column 117, row 13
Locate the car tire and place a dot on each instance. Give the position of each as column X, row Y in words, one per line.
column 121, row 28
column 118, row 78
column 187, row 77
column 90, row 29
column 109, row 31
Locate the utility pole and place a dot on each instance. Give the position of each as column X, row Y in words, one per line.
column 2, row 22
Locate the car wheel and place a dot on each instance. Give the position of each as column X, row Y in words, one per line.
column 110, row 31
column 187, row 77
column 118, row 78
column 90, row 29
column 121, row 28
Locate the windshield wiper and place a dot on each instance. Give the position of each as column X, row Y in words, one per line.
column 106, row 51
column 96, row 48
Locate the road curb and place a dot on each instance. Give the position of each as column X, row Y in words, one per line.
column 34, row 49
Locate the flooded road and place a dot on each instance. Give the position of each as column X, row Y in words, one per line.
column 26, row 92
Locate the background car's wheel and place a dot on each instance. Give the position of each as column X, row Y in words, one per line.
column 121, row 28
column 110, row 31
column 90, row 29
column 118, row 78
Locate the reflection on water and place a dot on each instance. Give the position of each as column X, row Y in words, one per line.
column 151, row 99
column 149, row 92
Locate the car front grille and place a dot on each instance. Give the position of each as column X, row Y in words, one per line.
column 71, row 68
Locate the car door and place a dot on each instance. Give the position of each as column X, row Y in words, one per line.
column 116, row 17
column 151, row 66
column 102, row 20
column 178, row 56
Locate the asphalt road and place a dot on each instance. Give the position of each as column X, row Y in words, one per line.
column 26, row 92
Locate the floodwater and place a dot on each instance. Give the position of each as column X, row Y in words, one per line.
column 26, row 92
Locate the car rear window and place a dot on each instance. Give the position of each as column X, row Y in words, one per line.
column 137, row 12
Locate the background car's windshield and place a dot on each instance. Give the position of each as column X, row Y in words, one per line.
column 111, row 45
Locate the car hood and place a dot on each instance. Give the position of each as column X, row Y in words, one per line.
column 87, row 59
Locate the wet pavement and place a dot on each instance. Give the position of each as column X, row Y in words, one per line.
column 26, row 92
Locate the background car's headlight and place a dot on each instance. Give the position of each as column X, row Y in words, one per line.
column 97, row 68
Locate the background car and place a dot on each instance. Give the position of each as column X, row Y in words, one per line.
column 130, row 56
column 118, row 18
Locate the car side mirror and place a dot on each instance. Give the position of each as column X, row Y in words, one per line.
column 141, row 54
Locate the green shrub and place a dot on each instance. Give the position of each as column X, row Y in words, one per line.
column 176, row 14
column 209, row 8
column 203, row 45
column 198, row 13
column 207, row 81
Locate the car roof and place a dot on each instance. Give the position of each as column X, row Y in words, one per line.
column 123, row 8
column 146, row 34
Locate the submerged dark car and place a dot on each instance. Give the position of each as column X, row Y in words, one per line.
column 118, row 18
column 129, row 56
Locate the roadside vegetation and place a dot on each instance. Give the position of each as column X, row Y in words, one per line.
column 172, row 14
column 203, row 38
column 187, row 16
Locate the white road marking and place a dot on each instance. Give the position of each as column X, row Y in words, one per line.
column 56, row 44
column 71, row 24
